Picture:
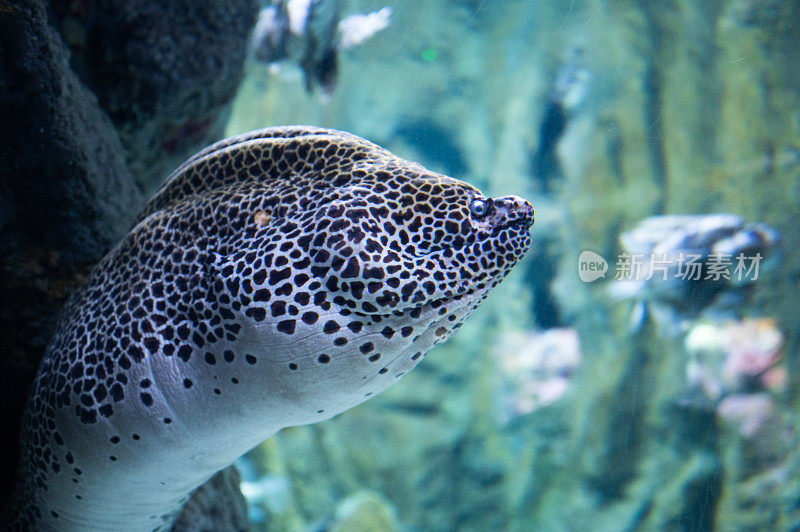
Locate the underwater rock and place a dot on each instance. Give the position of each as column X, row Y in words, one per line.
column 312, row 33
column 68, row 182
column 66, row 195
column 165, row 72
column 216, row 506
column 678, row 266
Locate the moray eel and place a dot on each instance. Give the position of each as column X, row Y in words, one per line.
column 277, row 278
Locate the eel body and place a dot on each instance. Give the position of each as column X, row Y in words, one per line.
column 278, row 278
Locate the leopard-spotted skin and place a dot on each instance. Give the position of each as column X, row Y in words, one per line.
column 277, row 279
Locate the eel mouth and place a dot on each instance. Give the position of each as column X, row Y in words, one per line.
column 522, row 225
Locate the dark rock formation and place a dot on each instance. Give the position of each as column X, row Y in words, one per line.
column 163, row 71
column 216, row 506
column 65, row 191
column 77, row 163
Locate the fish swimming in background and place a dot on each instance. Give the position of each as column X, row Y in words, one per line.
column 676, row 267
column 312, row 33
column 569, row 90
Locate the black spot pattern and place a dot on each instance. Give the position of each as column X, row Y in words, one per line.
column 337, row 251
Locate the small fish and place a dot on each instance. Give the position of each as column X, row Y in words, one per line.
column 311, row 33
column 568, row 92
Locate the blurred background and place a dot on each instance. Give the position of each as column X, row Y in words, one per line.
column 634, row 399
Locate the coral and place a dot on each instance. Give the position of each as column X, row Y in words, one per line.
column 536, row 367
column 735, row 356
column 752, row 347
column 748, row 412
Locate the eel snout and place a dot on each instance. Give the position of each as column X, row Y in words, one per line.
column 510, row 210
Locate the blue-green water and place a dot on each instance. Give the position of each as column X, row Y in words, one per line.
column 614, row 390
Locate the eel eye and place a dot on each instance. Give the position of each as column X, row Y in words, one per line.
column 478, row 207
